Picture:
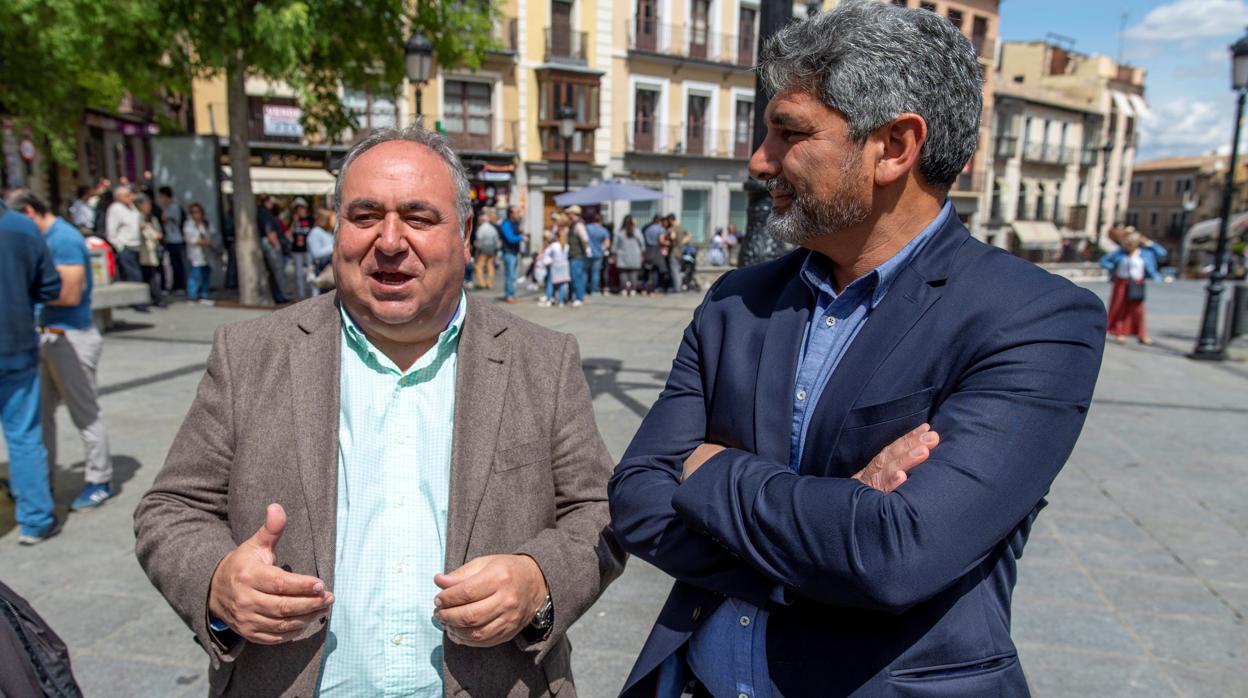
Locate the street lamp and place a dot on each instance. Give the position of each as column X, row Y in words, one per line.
column 1207, row 347
column 1100, row 211
column 418, row 60
column 567, row 129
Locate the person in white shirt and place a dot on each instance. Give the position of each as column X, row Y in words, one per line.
column 198, row 237
column 122, row 230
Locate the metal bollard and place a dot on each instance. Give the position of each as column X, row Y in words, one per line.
column 1237, row 313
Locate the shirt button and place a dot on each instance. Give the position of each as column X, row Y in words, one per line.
column 398, row 639
column 745, row 621
column 743, row 695
column 801, row 395
column 830, row 321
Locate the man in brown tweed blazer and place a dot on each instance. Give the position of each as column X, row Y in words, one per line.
column 278, row 529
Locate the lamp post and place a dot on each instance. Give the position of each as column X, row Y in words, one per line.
column 418, row 60
column 1100, row 210
column 567, row 129
column 1207, row 347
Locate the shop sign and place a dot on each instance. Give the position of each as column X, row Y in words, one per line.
column 27, row 149
column 282, row 120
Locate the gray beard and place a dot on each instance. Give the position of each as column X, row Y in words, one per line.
column 808, row 219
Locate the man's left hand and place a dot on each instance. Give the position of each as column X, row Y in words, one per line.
column 490, row 599
column 700, row 455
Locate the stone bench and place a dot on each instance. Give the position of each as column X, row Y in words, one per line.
column 119, row 294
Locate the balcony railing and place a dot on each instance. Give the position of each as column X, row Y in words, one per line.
column 1048, row 153
column 566, row 46
column 968, row 183
column 1006, row 146
column 685, row 139
column 1077, row 217
column 506, row 37
column 681, row 41
column 1087, row 157
column 494, row 139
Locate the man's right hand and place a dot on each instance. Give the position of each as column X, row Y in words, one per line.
column 888, row 470
column 261, row 602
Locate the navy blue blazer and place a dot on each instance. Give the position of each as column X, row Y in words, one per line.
column 906, row 594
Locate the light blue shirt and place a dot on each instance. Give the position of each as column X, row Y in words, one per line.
column 395, row 430
column 728, row 653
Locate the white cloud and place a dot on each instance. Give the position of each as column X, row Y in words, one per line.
column 1184, row 20
column 1183, row 127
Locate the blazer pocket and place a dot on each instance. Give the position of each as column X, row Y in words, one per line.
column 889, row 410
column 999, row 676
column 528, row 453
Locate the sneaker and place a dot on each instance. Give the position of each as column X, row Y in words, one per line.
column 577, row 304
column 92, row 496
column 37, row 538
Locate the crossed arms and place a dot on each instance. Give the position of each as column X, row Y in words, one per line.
column 753, row 529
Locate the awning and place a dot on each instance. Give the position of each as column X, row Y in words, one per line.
column 1037, row 235
column 1122, row 103
column 1140, row 106
column 285, row 181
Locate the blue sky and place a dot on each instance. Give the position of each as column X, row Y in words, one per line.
column 1181, row 43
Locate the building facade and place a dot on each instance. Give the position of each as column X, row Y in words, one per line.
column 1171, row 194
column 1104, row 87
column 1045, row 145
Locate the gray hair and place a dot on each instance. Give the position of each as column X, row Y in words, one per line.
column 413, row 134
column 872, row 62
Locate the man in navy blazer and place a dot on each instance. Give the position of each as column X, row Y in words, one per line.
column 792, row 577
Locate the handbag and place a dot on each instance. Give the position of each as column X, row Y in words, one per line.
column 1135, row 291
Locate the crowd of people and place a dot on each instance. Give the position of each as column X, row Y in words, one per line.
column 581, row 256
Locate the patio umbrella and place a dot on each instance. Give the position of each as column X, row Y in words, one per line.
column 610, row 190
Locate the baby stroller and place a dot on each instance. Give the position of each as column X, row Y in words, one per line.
column 689, row 269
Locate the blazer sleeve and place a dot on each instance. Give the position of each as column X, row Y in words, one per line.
column 180, row 525
column 1006, row 430
column 579, row 556
column 648, row 478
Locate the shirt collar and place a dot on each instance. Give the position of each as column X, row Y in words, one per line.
column 448, row 341
column 818, row 275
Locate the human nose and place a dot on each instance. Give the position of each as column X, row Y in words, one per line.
column 765, row 162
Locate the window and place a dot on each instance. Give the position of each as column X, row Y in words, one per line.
column 696, row 140
column 738, row 210
column 370, row 110
column 745, row 35
column 468, row 114
column 1182, row 185
column 899, row 3
column 1152, row 220
column 929, row 6
column 979, row 34
column 1020, row 208
column 645, row 125
column 994, row 211
column 695, row 212
column 699, row 28
column 1057, row 203
column 1175, row 221
column 743, row 129
column 1040, row 205
column 578, row 90
column 1133, row 218
column 1158, row 183
column 955, row 18
column 647, row 31
column 1137, row 187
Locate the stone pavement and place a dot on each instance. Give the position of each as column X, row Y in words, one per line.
column 1135, row 582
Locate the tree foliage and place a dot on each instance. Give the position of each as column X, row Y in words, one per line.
column 59, row 57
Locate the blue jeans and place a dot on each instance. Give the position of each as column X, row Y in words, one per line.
column 509, row 273
column 28, row 459
column 550, row 286
column 595, row 274
column 198, row 283
column 578, row 279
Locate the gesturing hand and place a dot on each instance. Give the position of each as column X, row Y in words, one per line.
column 260, row 602
column 490, row 599
column 888, row 470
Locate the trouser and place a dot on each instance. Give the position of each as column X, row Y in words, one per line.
column 578, row 279
column 673, row 265
column 628, row 279
column 509, row 274
column 28, row 459
column 595, row 275
column 550, row 286
column 303, row 265
column 67, row 374
column 484, row 271
column 276, row 268
column 177, row 265
column 198, row 283
column 152, row 277
column 128, row 266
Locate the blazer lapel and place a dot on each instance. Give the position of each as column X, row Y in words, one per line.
column 314, row 381
column 480, row 389
column 916, row 290
column 777, row 371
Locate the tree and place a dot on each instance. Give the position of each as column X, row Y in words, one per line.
column 59, row 57
column 316, row 47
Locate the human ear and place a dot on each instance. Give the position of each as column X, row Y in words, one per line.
column 901, row 141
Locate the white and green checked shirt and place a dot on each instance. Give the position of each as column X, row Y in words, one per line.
column 394, row 476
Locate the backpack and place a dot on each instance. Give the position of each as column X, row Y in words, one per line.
column 486, row 240
column 33, row 660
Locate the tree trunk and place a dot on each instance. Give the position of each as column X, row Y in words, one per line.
column 253, row 282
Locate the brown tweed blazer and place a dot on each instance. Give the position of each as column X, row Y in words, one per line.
column 528, row 475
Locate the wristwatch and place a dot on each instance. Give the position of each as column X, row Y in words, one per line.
column 545, row 617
